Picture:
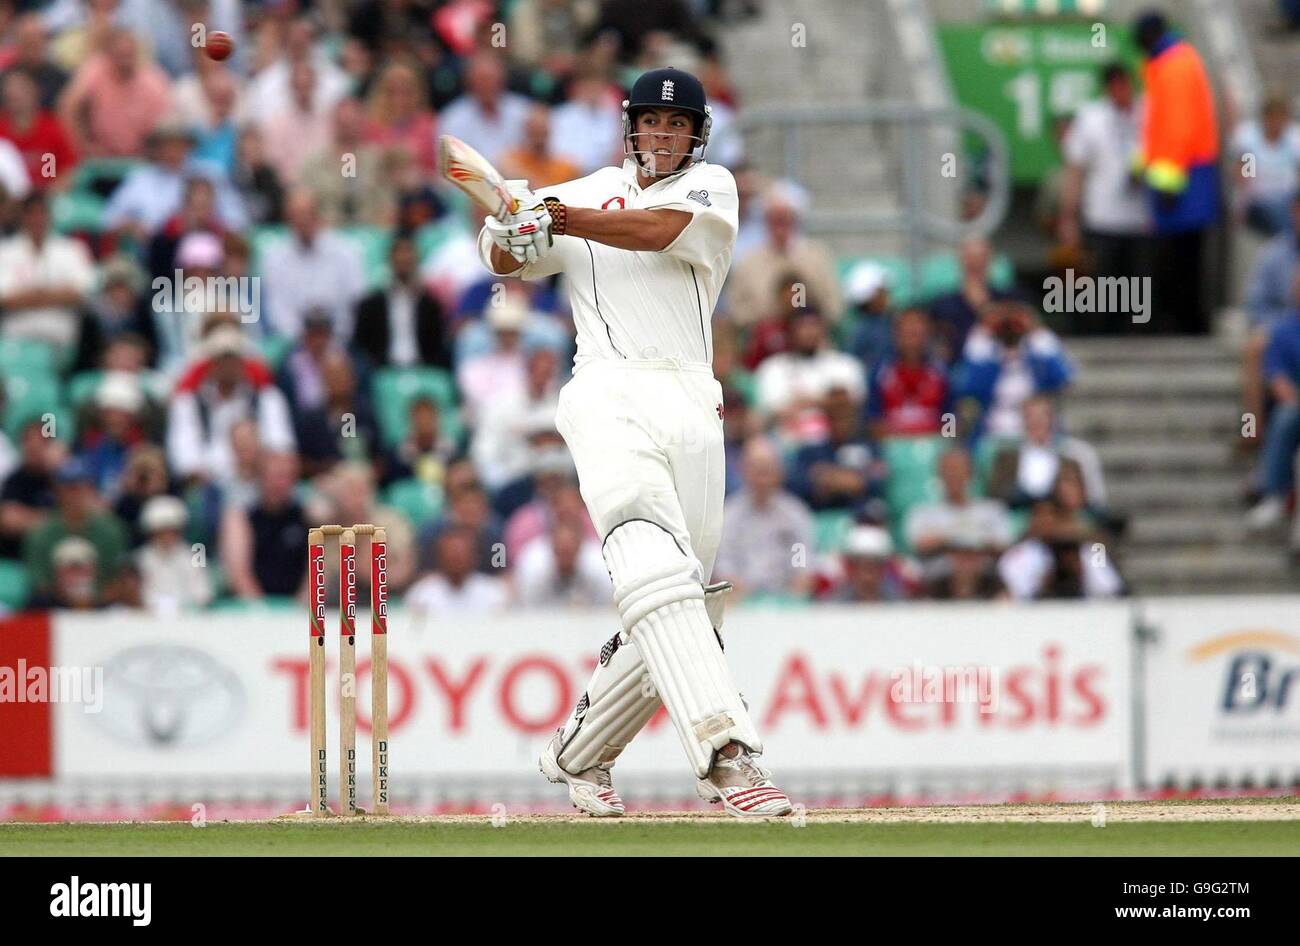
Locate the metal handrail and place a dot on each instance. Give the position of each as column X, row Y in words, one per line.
column 913, row 217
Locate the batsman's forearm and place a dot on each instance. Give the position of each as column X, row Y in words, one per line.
column 648, row 230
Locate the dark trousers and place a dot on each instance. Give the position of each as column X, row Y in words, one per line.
column 1180, row 298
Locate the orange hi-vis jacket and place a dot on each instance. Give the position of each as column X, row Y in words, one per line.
column 1180, row 133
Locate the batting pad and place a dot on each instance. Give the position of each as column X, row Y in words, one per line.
column 662, row 606
column 619, row 701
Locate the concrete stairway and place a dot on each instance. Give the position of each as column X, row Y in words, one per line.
column 845, row 61
column 1163, row 414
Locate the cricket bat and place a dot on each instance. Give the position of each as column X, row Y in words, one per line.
column 476, row 176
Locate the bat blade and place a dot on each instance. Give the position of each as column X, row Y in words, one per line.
column 475, row 175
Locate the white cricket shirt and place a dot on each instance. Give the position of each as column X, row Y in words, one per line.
column 638, row 305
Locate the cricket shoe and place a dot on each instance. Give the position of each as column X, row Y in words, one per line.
column 591, row 790
column 743, row 786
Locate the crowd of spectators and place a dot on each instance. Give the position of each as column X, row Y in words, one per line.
column 236, row 301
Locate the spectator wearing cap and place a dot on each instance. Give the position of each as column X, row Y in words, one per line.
column 403, row 325
column 315, row 268
column 547, row 464
column 114, row 100
column 500, row 446
column 842, row 470
column 152, row 193
column 261, row 543
column 115, row 429
column 197, row 214
column 766, row 531
column 1101, row 207
column 908, row 388
column 487, row 117
column 180, row 327
column 563, row 569
column 455, row 586
column 36, row 132
column 78, row 511
column 347, row 173
column 172, row 581
column 868, row 571
column 73, row 585
column 949, row 533
column 27, row 491
column 425, row 452
column 957, row 313
column 44, row 280
column 753, row 284
column 1025, row 472
column 1008, row 358
column 870, row 328
column 225, row 386
column 791, row 386
column 534, row 160
column 120, row 309
column 499, row 372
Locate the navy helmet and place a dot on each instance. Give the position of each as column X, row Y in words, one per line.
column 667, row 88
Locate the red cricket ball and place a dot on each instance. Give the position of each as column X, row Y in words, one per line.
column 219, row 45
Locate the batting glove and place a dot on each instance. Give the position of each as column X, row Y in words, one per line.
column 526, row 235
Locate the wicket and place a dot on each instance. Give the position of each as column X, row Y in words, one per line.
column 316, row 539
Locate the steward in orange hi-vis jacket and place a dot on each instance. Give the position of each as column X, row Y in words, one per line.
column 1180, row 139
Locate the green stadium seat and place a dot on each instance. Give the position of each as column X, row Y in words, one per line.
column 15, row 587
column 831, row 527
column 900, row 275
column 418, row 501
column 29, row 395
column 912, row 479
column 395, row 388
column 274, row 349
column 26, row 356
column 985, row 453
column 373, row 244
column 82, row 387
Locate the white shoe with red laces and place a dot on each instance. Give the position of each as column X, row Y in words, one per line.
column 591, row 790
column 743, row 787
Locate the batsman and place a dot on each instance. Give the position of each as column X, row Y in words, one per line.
column 645, row 249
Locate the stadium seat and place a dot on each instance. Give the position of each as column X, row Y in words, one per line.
column 395, row 388
column 373, row 244
column 21, row 355
column 15, row 587
column 831, row 526
column 418, row 501
column 913, row 465
column 29, row 394
column 273, row 349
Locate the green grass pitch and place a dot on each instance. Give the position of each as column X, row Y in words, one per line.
column 672, row 838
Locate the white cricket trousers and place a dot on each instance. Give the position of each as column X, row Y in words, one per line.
column 646, row 438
